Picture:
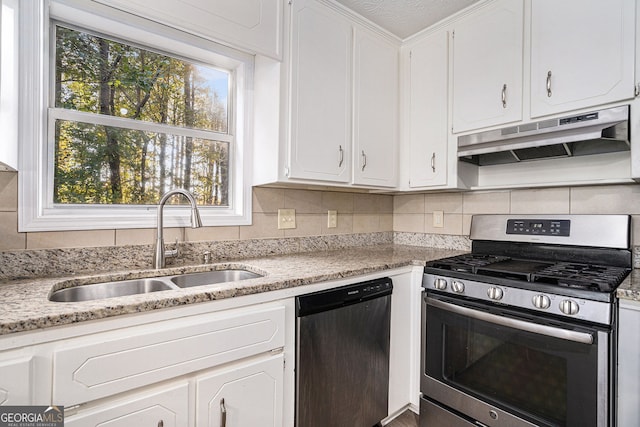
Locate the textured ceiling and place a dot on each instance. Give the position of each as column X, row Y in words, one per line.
column 405, row 17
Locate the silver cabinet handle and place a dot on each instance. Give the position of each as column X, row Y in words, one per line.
column 433, row 162
column 504, row 96
column 549, row 84
column 364, row 160
column 223, row 413
column 550, row 331
column 341, row 156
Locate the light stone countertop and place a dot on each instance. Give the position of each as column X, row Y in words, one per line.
column 630, row 288
column 24, row 304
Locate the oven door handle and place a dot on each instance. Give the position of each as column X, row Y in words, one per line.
column 579, row 337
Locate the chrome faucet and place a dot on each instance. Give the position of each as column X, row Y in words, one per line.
column 159, row 253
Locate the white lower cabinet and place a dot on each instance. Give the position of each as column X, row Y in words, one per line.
column 164, row 408
column 628, row 386
column 176, row 372
column 244, row 396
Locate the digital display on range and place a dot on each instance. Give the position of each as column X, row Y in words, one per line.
column 543, row 227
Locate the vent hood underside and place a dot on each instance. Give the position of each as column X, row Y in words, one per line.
column 604, row 131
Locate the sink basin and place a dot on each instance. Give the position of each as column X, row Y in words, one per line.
column 152, row 284
column 110, row 290
column 212, row 277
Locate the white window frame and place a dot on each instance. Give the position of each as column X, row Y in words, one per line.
column 36, row 211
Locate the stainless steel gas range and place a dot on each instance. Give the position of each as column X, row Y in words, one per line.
column 522, row 331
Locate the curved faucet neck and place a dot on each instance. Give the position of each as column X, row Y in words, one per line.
column 159, row 251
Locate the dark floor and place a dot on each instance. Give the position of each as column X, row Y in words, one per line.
column 407, row 419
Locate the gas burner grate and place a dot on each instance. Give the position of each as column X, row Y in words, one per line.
column 586, row 276
column 468, row 263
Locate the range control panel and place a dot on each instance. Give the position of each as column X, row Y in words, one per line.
column 543, row 227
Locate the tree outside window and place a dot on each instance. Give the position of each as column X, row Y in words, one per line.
column 132, row 123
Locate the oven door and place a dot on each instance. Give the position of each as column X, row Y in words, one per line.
column 504, row 367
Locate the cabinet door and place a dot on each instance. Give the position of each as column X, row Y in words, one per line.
column 168, row 408
column 628, row 364
column 320, row 139
column 16, row 381
column 247, row 395
column 375, row 110
column 487, row 66
column 582, row 54
column 255, row 25
column 428, row 106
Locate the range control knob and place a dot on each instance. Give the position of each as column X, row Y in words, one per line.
column 541, row 301
column 495, row 293
column 569, row 307
column 457, row 286
column 440, row 283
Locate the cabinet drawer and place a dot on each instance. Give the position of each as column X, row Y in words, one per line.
column 112, row 362
column 168, row 407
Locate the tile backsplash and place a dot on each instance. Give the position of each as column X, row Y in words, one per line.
column 413, row 213
column 357, row 213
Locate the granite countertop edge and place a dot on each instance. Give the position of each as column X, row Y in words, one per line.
column 25, row 305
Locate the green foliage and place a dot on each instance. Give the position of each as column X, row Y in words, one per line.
column 96, row 164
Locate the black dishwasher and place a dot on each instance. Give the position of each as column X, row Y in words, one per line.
column 342, row 355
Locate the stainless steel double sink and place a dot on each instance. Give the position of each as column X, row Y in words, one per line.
column 146, row 285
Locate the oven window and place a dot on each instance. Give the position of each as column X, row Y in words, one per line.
column 513, row 373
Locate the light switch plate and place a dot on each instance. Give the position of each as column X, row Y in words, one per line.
column 286, row 218
column 438, row 219
column 332, row 219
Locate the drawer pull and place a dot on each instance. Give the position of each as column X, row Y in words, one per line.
column 504, row 96
column 223, row 413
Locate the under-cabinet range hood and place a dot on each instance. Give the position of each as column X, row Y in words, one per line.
column 597, row 132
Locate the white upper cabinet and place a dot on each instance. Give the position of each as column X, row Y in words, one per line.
column 582, row 54
column 487, row 66
column 428, row 105
column 344, row 100
column 375, row 110
column 253, row 25
column 321, row 45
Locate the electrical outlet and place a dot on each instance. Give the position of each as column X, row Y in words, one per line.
column 286, row 218
column 332, row 219
column 438, row 219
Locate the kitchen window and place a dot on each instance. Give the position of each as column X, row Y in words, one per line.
column 124, row 110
